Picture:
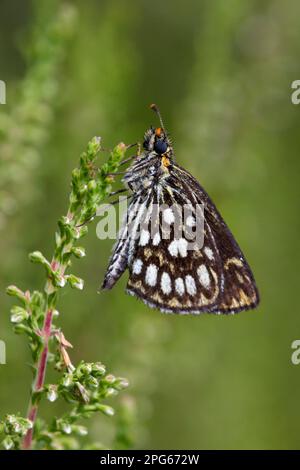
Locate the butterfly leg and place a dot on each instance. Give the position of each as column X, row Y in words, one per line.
column 119, row 191
column 126, row 160
column 117, row 201
column 87, row 221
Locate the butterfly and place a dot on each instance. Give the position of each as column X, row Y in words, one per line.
column 167, row 270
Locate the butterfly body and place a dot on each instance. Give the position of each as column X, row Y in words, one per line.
column 168, row 269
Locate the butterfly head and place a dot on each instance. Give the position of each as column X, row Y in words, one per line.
column 156, row 138
column 156, row 160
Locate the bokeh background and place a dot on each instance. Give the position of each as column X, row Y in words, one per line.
column 221, row 73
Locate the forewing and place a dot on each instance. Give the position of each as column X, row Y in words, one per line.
column 163, row 269
column 164, row 272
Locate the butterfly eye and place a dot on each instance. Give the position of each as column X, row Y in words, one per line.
column 160, row 146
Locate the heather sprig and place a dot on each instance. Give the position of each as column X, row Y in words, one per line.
column 84, row 387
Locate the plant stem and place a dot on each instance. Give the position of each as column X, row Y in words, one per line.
column 40, row 377
column 84, row 200
column 42, row 364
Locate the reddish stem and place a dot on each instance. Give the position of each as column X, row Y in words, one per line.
column 40, row 377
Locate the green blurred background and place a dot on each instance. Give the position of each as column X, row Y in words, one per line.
column 221, row 73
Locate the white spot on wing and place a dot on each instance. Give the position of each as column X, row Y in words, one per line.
column 190, row 285
column 178, row 247
column 182, row 247
column 209, row 253
column 172, row 248
column 203, row 276
column 156, row 239
column 179, row 286
column 168, row 216
column 144, row 238
column 165, row 283
column 151, row 275
column 137, row 266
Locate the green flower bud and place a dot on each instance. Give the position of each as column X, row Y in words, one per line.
column 98, row 369
column 80, row 430
column 85, row 368
column 8, row 443
column 38, row 257
column 75, row 178
column 21, row 328
column 18, row 314
column 92, row 382
column 67, row 428
column 94, row 146
column 107, row 410
column 121, row 383
column 16, row 292
column 65, row 221
column 83, row 189
column 109, row 379
column 59, row 280
column 67, row 380
column 52, row 393
column 78, row 251
column 92, row 185
column 75, row 282
column 110, row 392
column 37, row 299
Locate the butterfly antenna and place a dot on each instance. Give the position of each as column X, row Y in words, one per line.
column 155, row 108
